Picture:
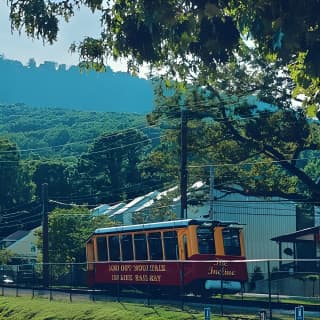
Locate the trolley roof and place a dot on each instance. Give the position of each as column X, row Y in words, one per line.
column 163, row 225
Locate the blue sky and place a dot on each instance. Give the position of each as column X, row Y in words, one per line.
column 20, row 47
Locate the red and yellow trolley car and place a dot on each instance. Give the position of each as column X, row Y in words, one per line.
column 200, row 255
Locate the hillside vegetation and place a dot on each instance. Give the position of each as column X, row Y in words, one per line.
column 57, row 132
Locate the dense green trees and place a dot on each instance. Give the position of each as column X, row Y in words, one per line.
column 238, row 100
column 55, row 174
column 188, row 37
column 69, row 229
column 112, row 165
column 5, row 256
column 13, row 188
column 193, row 40
column 244, row 124
column 57, row 132
column 75, row 152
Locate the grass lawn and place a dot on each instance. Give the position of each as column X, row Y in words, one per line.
column 25, row 308
column 39, row 309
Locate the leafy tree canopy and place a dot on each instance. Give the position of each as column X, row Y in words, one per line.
column 244, row 124
column 188, row 37
column 59, row 133
column 69, row 230
column 5, row 256
column 14, row 182
column 110, row 169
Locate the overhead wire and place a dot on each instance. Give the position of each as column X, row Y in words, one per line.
column 191, row 165
column 192, row 104
column 78, row 142
column 105, row 189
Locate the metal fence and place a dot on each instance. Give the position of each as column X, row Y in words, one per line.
column 272, row 282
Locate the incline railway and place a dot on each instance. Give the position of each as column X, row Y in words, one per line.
column 186, row 262
column 200, row 255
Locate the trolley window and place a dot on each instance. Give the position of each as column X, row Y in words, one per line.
column 114, row 248
column 155, row 246
column 231, row 241
column 127, row 247
column 102, row 249
column 140, row 243
column 205, row 240
column 170, row 240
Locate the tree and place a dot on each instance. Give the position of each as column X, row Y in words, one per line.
column 5, row 256
column 110, row 169
column 189, row 37
column 56, row 174
column 15, row 185
column 244, row 124
column 68, row 231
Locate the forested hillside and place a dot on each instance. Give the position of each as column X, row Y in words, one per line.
column 56, row 132
column 53, row 85
column 84, row 157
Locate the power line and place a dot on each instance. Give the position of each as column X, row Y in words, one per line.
column 97, row 152
column 108, row 189
column 78, row 142
column 190, row 104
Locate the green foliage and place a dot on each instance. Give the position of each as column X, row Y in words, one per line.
column 55, row 132
column 55, row 174
column 188, row 38
column 14, row 308
column 112, row 165
column 15, row 185
column 243, row 123
column 5, row 256
column 69, row 230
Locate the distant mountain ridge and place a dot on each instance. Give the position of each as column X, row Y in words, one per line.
column 54, row 85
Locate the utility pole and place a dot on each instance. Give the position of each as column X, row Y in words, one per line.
column 183, row 168
column 211, row 192
column 45, row 237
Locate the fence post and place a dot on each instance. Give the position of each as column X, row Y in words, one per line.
column 33, row 279
column 2, row 276
column 70, row 292
column 319, row 285
column 94, row 281
column 50, row 285
column 269, row 289
column 17, row 280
